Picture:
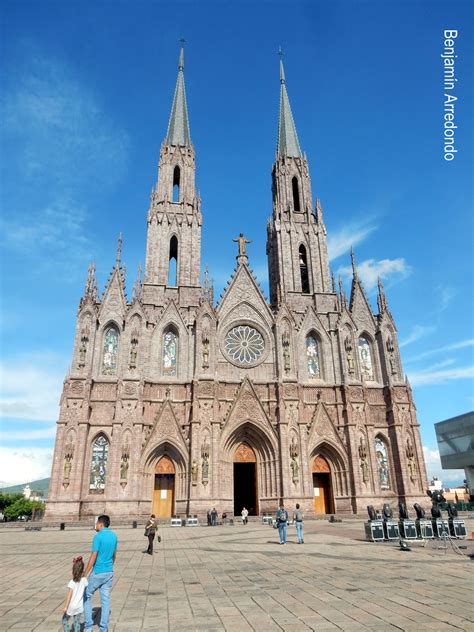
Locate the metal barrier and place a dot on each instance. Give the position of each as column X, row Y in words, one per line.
column 192, row 521
column 175, row 521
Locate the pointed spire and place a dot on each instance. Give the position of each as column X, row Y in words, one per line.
column 381, row 298
column 91, row 291
column 354, row 265
column 207, row 288
column 178, row 126
column 137, row 286
column 342, row 294
column 287, row 142
column 333, row 282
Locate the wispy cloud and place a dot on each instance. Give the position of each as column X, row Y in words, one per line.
column 370, row 270
column 446, row 294
column 433, row 467
column 440, row 376
column 28, row 435
column 31, row 386
column 340, row 241
column 20, row 465
column 417, row 332
column 462, row 344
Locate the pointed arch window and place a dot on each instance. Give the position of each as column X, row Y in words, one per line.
column 170, row 352
column 98, row 474
column 312, row 356
column 296, row 194
column 382, row 463
column 173, row 262
column 365, row 357
column 303, row 263
column 110, row 351
column 176, row 183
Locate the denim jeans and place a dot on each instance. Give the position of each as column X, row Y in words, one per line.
column 282, row 530
column 76, row 619
column 299, row 531
column 102, row 582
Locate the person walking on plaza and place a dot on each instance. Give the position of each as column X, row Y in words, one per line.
column 244, row 513
column 298, row 520
column 100, row 572
column 150, row 532
column 74, row 604
column 213, row 517
column 282, row 519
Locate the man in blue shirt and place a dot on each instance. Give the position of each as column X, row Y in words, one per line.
column 101, row 563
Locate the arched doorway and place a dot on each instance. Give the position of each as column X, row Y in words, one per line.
column 163, row 494
column 245, row 480
column 322, row 487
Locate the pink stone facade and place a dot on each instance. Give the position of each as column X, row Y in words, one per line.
column 200, row 408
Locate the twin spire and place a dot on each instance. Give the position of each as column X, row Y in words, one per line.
column 178, row 127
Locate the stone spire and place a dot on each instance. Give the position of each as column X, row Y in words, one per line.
column 287, row 142
column 91, row 291
column 178, row 126
column 381, row 298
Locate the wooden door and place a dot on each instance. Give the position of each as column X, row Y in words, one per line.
column 322, row 486
column 163, row 493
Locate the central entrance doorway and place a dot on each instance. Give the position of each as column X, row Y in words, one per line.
column 163, row 491
column 322, row 488
column 245, row 480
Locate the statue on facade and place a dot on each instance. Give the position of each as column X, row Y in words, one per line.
column 242, row 244
column 124, row 464
column 411, row 460
column 294, row 464
column 67, row 466
column 391, row 355
column 285, row 340
column 364, row 463
column 349, row 356
column 194, row 472
column 205, row 348
column 205, row 452
column 83, row 346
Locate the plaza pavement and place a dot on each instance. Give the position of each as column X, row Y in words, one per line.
column 239, row 578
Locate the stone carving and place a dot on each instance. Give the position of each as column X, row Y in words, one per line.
column 132, row 363
column 194, row 472
column 364, row 463
column 294, row 463
column 205, row 348
column 206, row 389
column 391, row 355
column 77, row 388
column 285, row 341
column 68, row 457
column 205, row 452
column 124, row 463
column 85, row 333
column 349, row 356
column 411, row 460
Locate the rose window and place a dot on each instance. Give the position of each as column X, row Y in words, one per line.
column 244, row 344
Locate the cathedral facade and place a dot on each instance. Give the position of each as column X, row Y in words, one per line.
column 175, row 403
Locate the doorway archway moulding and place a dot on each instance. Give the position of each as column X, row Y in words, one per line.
column 244, row 454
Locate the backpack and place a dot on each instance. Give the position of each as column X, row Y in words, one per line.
column 283, row 516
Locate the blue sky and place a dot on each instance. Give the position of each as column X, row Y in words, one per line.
column 86, row 94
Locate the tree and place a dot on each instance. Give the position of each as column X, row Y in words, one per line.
column 8, row 499
column 22, row 507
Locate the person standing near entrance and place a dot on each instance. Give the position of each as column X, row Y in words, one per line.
column 150, row 531
column 298, row 520
column 282, row 519
column 213, row 517
column 244, row 513
column 100, row 569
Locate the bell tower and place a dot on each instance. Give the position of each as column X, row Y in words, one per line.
column 296, row 235
column 173, row 255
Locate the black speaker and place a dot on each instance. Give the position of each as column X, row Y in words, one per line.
column 437, row 497
column 420, row 512
column 402, row 509
column 387, row 511
column 452, row 511
column 435, row 511
column 371, row 512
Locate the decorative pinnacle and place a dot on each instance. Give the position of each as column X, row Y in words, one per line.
column 354, row 265
column 119, row 251
column 181, row 54
column 381, row 298
column 282, row 70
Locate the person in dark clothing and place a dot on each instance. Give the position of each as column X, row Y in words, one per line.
column 214, row 517
column 151, row 528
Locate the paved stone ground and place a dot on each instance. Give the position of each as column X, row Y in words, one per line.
column 239, row 578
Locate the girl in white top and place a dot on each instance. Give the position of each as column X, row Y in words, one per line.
column 74, row 603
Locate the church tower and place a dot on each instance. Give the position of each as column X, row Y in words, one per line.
column 173, row 254
column 296, row 236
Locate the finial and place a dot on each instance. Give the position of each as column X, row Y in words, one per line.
column 91, row 283
column 119, row 250
column 181, row 54
column 137, row 286
column 282, row 70
column 333, row 282
column 354, row 266
column 342, row 293
column 381, row 298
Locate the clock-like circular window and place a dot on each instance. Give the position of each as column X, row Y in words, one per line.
column 244, row 344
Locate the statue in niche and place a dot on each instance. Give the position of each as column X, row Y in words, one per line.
column 205, row 451
column 411, row 461
column 67, row 466
column 124, row 465
column 286, row 351
column 294, row 464
column 132, row 364
column 364, row 462
column 194, row 472
column 205, row 349
column 83, row 346
column 391, row 355
column 349, row 356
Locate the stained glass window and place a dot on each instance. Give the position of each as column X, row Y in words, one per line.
column 100, row 451
column 365, row 357
column 244, row 344
column 109, row 361
column 382, row 463
column 312, row 356
column 170, row 353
